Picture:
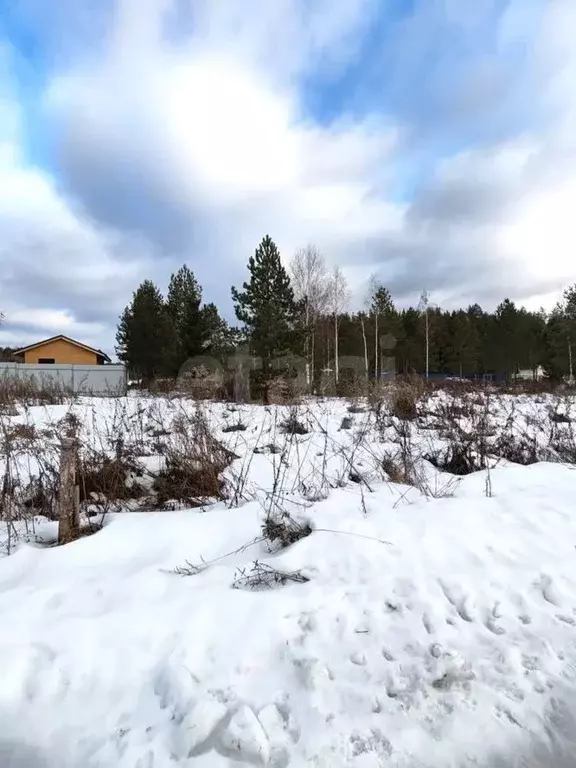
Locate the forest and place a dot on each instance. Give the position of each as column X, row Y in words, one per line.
column 304, row 310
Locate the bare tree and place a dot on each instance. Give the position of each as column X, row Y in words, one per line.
column 311, row 290
column 339, row 298
column 373, row 288
column 362, row 316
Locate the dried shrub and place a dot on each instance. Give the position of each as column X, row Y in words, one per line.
column 519, row 449
column 558, row 417
column 266, row 449
column 18, row 391
column 239, row 427
column 397, row 469
column 404, row 398
column 195, row 461
column 283, row 390
column 21, row 433
column 188, row 484
column 261, row 576
column 201, row 383
column 162, row 386
column 292, row 424
column 40, row 494
column 282, row 530
column 458, row 459
column 109, row 479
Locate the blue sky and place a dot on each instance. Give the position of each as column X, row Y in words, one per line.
column 430, row 142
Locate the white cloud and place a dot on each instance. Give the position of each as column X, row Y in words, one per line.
column 58, row 267
column 195, row 148
column 206, row 132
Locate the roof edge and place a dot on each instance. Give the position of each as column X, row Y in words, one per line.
column 63, row 337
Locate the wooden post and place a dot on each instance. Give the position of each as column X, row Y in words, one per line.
column 241, row 364
column 68, row 517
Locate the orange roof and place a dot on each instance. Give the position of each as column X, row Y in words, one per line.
column 63, row 338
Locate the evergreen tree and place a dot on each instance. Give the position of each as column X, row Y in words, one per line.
column 505, row 337
column 219, row 338
column 143, row 336
column 266, row 305
column 556, row 354
column 382, row 312
column 186, row 317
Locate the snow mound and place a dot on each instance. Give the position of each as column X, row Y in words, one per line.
column 427, row 632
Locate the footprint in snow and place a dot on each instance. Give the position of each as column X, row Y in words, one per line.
column 244, row 738
column 199, row 725
column 461, row 603
column 491, row 618
column 549, row 590
column 429, row 623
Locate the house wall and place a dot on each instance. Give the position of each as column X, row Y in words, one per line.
column 63, row 352
column 76, row 379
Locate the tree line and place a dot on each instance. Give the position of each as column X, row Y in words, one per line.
column 304, row 310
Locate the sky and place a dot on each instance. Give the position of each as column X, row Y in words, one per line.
column 429, row 142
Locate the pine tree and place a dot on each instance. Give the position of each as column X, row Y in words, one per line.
column 219, row 337
column 143, row 333
column 186, row 318
column 382, row 311
column 266, row 305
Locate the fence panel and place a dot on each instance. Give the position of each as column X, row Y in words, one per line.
column 79, row 379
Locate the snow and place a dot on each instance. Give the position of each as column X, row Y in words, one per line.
column 431, row 632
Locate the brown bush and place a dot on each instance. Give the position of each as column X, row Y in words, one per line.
column 185, row 482
column 16, row 391
column 292, row 424
column 398, row 469
column 100, row 476
column 195, row 461
column 404, row 398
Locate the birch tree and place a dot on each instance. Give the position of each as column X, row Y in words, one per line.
column 311, row 291
column 339, row 298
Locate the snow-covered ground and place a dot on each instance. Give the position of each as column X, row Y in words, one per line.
column 429, row 627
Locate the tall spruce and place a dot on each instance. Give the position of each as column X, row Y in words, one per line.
column 143, row 333
column 382, row 311
column 186, row 318
column 266, row 305
column 219, row 337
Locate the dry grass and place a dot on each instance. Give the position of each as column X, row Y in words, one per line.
column 17, row 392
column 261, row 576
column 404, row 398
column 293, row 425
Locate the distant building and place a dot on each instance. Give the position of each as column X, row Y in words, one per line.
column 528, row 374
column 60, row 350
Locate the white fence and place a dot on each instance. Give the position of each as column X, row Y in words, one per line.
column 78, row 379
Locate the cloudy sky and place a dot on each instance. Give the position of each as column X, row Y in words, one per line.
column 430, row 141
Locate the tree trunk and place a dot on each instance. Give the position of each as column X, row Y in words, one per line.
column 336, row 364
column 375, row 345
column 307, row 344
column 365, row 347
column 312, row 354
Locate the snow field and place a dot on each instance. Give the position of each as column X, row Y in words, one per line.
column 432, row 631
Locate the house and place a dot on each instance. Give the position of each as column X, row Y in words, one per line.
column 531, row 374
column 61, row 349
